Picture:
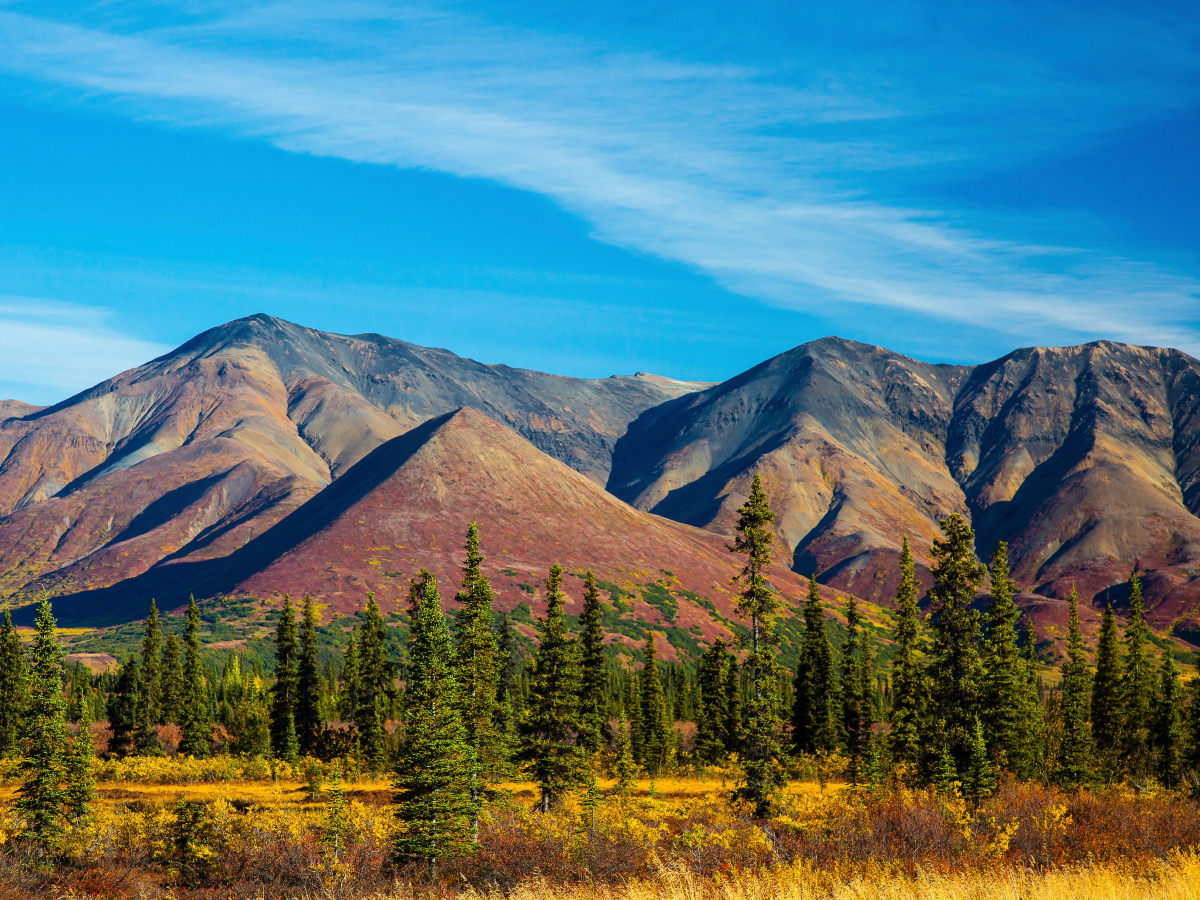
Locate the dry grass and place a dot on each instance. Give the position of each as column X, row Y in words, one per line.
column 1174, row 879
column 675, row 839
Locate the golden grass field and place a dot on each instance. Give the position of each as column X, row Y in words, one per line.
column 673, row 839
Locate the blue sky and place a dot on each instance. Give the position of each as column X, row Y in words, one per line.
column 586, row 189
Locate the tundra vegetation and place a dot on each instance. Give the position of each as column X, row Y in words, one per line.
column 953, row 771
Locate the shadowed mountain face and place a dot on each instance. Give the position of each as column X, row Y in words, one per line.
column 849, row 439
column 191, row 455
column 407, row 505
column 1084, row 459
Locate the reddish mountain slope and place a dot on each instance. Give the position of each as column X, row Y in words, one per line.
column 192, row 454
column 407, row 505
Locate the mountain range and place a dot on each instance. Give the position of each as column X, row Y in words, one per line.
column 262, row 457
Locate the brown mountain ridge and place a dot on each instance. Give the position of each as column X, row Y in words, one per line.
column 224, row 466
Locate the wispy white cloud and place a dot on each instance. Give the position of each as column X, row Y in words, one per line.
column 753, row 175
column 62, row 348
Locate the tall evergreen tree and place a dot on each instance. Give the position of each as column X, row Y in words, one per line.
column 41, row 800
column 1075, row 747
column 172, row 681
column 1003, row 684
column 656, row 733
column 508, row 688
column 957, row 674
column 761, row 724
column 374, row 683
column 152, row 666
column 79, row 791
column 624, row 766
column 980, row 780
column 308, row 718
column 633, row 713
column 477, row 669
column 12, row 688
column 284, row 743
column 194, row 721
column 249, row 723
column 710, row 727
column 593, row 695
column 1170, row 735
column 123, row 704
column 1106, row 692
column 733, row 706
column 910, row 684
column 551, row 721
column 1137, row 689
column 1033, row 758
column 868, row 689
column 855, row 713
column 816, row 710
column 433, row 776
column 348, row 695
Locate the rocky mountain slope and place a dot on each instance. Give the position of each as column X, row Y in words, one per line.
column 232, row 464
column 193, row 454
column 407, row 505
column 1084, row 459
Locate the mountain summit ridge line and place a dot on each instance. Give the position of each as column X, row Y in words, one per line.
column 1084, row 459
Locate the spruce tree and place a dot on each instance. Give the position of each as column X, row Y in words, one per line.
column 624, row 766
column 633, row 712
column 733, row 706
column 1106, row 692
column 710, row 726
column 172, row 681
column 508, row 688
column 41, row 800
column 944, row 773
column 478, row 671
column 152, row 666
column 910, row 684
column 308, row 719
column 980, row 780
column 656, row 734
column 1074, row 767
column 249, row 724
column 1137, row 689
column 194, row 721
column 957, row 675
column 80, row 788
column 551, row 720
column 123, row 706
column 593, row 695
column 761, row 724
column 855, row 717
column 817, row 708
column 374, row 682
column 1003, row 685
column 1033, row 757
column 12, row 688
column 1170, row 735
column 284, row 742
column 348, row 695
column 433, row 775
column 867, row 688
